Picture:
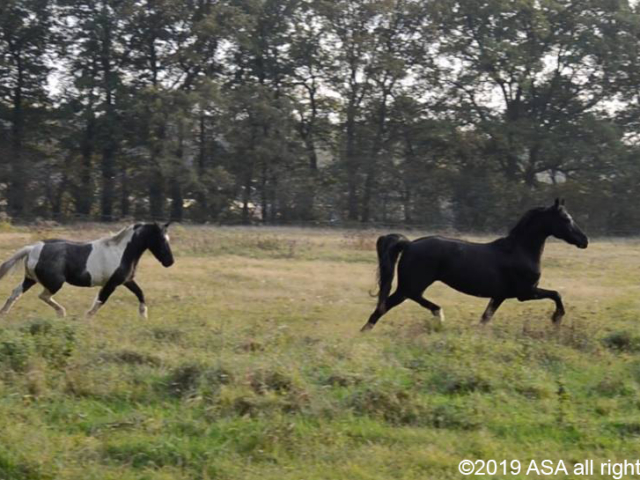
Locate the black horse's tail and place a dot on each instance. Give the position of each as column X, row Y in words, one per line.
column 389, row 248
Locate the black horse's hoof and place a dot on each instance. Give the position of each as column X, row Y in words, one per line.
column 556, row 318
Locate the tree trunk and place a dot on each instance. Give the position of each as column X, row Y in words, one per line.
column 156, row 194
column 109, row 129
column 177, row 200
column 16, row 192
column 246, row 198
column 352, row 167
column 108, row 183
column 84, row 195
column 372, row 167
column 264, row 203
column 125, row 206
column 157, row 181
column 202, row 169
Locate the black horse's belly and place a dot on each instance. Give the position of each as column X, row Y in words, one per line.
column 478, row 285
column 475, row 270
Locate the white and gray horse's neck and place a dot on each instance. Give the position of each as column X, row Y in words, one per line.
column 124, row 247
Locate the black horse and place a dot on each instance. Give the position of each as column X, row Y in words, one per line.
column 508, row 267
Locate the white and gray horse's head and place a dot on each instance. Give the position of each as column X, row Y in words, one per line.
column 155, row 237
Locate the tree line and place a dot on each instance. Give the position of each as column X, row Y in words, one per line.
column 457, row 113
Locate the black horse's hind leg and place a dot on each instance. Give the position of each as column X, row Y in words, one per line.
column 494, row 304
column 137, row 291
column 26, row 284
column 393, row 301
column 436, row 310
column 541, row 293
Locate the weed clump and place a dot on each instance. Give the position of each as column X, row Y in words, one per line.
column 17, row 469
column 614, row 387
column 130, row 357
column 466, row 384
column 622, row 341
column 342, row 380
column 627, row 429
column 453, row 416
column 167, row 335
column 397, row 407
column 192, row 379
column 263, row 392
column 263, row 381
column 454, row 381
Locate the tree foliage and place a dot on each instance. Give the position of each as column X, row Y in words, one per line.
column 444, row 113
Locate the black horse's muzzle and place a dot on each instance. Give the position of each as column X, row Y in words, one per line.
column 582, row 242
column 168, row 263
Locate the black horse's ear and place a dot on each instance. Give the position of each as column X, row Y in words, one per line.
column 166, row 225
column 562, row 202
column 557, row 203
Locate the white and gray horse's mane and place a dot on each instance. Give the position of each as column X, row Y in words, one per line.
column 120, row 235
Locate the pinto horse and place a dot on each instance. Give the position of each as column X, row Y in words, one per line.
column 508, row 267
column 107, row 263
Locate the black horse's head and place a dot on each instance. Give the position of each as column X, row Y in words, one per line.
column 158, row 243
column 562, row 226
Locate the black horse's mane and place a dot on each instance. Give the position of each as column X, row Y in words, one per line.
column 523, row 223
column 509, row 241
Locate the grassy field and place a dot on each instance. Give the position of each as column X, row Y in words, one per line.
column 251, row 366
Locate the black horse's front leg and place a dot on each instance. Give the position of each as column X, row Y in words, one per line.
column 494, row 304
column 541, row 293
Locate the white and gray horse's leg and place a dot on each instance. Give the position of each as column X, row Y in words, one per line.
column 47, row 297
column 26, row 284
column 137, row 291
column 102, row 297
column 94, row 307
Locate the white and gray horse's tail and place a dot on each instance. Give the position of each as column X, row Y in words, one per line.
column 10, row 264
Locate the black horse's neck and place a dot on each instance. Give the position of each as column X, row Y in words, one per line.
column 530, row 234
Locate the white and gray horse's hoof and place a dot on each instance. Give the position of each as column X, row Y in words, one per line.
column 439, row 314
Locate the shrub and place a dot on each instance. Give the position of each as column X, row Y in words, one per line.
column 55, row 342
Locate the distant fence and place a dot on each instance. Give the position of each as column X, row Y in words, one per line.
column 440, row 228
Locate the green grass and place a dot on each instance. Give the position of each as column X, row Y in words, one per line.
column 251, row 366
